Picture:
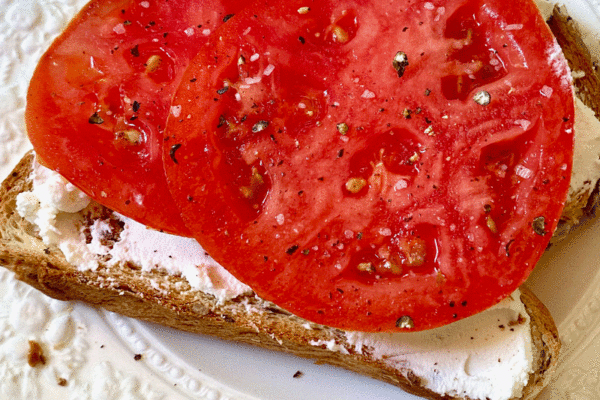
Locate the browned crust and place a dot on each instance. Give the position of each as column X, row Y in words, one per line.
column 568, row 36
column 546, row 341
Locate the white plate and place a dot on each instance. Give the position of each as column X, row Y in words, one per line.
column 95, row 352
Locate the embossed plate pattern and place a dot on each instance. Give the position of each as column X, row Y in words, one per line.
column 96, row 355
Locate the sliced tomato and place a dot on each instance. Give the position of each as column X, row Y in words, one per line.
column 99, row 99
column 375, row 165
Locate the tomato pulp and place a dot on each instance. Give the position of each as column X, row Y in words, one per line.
column 375, row 165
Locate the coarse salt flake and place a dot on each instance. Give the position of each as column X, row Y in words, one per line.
column 513, row 27
column 546, row 91
column 206, row 32
column 119, row 29
column 238, row 97
column 385, row 232
column 145, row 4
column 176, row 111
column 523, row 172
column 269, row 70
column 439, row 12
column 189, row 31
column 429, row 6
column 247, row 31
column 251, row 81
column 280, row 218
column 367, row 94
column 401, row 184
column 254, row 57
column 523, row 123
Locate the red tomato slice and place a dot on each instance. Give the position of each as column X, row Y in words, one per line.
column 375, row 165
column 99, row 99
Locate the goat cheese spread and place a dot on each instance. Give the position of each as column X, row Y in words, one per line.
column 486, row 356
column 53, row 206
column 586, row 155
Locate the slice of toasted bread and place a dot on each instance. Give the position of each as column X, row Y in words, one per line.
column 169, row 300
column 127, row 290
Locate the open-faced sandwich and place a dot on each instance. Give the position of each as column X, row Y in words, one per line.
column 363, row 182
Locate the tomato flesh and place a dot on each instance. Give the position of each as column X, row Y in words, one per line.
column 371, row 165
column 99, row 99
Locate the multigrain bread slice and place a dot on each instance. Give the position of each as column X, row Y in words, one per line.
column 172, row 302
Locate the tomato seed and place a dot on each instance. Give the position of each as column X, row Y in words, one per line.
column 355, row 185
column 153, row 63
column 342, row 128
column 340, row 35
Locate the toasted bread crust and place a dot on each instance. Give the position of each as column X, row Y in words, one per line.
column 545, row 339
column 127, row 290
column 568, row 36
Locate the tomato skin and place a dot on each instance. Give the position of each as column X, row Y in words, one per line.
column 365, row 196
column 99, row 99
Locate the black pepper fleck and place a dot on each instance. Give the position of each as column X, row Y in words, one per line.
column 95, row 119
column 292, row 249
column 539, row 226
column 174, row 148
column 400, row 62
column 405, row 322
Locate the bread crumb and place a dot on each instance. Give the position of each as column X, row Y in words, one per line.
column 62, row 382
column 36, row 354
column 519, row 321
column 137, row 357
column 298, row 374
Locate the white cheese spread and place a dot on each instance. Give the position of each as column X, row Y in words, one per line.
column 586, row 155
column 53, row 207
column 486, row 356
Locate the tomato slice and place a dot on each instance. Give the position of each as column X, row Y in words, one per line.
column 375, row 167
column 99, row 99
